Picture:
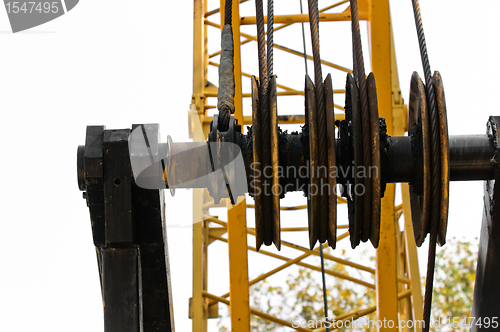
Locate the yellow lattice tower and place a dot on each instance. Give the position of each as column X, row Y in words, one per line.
column 397, row 279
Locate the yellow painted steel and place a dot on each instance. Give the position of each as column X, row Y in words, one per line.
column 360, row 313
column 236, row 227
column 397, row 280
column 297, row 18
column 412, row 260
column 285, row 49
column 386, row 276
column 238, row 266
column 199, row 305
column 259, row 313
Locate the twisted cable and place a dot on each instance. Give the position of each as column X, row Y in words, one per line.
column 436, row 167
column 320, row 104
column 304, row 40
column 270, row 33
column 225, row 94
column 228, row 12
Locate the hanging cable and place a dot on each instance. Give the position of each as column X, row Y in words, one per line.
column 270, row 37
column 325, row 299
column 304, row 39
column 436, row 167
column 225, row 94
column 228, row 12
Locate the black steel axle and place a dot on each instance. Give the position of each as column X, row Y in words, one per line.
column 470, row 159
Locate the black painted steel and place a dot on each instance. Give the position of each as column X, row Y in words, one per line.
column 128, row 233
column 470, row 159
column 487, row 288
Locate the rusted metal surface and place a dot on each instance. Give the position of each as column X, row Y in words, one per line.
column 355, row 199
column 365, row 119
column 402, row 160
column 445, row 157
column 256, row 183
column 418, row 127
column 470, row 159
column 332, row 163
column 487, row 287
column 275, row 189
column 313, row 199
column 131, row 253
column 376, row 166
column 320, row 125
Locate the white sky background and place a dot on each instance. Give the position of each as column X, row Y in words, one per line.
column 115, row 63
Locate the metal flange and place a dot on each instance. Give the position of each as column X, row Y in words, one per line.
column 445, row 157
column 275, row 188
column 266, row 191
column 375, row 149
column 332, row 162
column 313, row 198
column 420, row 188
column 355, row 197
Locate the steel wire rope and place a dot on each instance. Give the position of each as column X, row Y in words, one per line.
column 436, row 167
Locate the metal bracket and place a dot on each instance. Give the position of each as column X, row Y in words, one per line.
column 128, row 232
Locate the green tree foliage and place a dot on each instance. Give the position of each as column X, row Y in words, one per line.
column 454, row 284
column 299, row 298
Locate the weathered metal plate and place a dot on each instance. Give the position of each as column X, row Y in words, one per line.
column 375, row 147
column 418, row 125
column 332, row 162
column 273, row 112
column 256, row 184
column 354, row 200
column 445, row 158
column 313, row 197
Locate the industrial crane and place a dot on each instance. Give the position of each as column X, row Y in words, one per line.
column 358, row 153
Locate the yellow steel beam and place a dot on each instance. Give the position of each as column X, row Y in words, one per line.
column 405, row 246
column 303, row 229
column 412, row 259
column 404, row 305
column 236, row 226
column 283, row 48
column 258, row 313
column 297, row 18
column 198, row 56
column 289, row 91
column 199, row 307
column 386, row 278
column 340, row 200
column 313, row 252
column 215, row 11
column 291, row 119
column 360, row 313
column 279, row 27
column 297, row 261
column 238, row 266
